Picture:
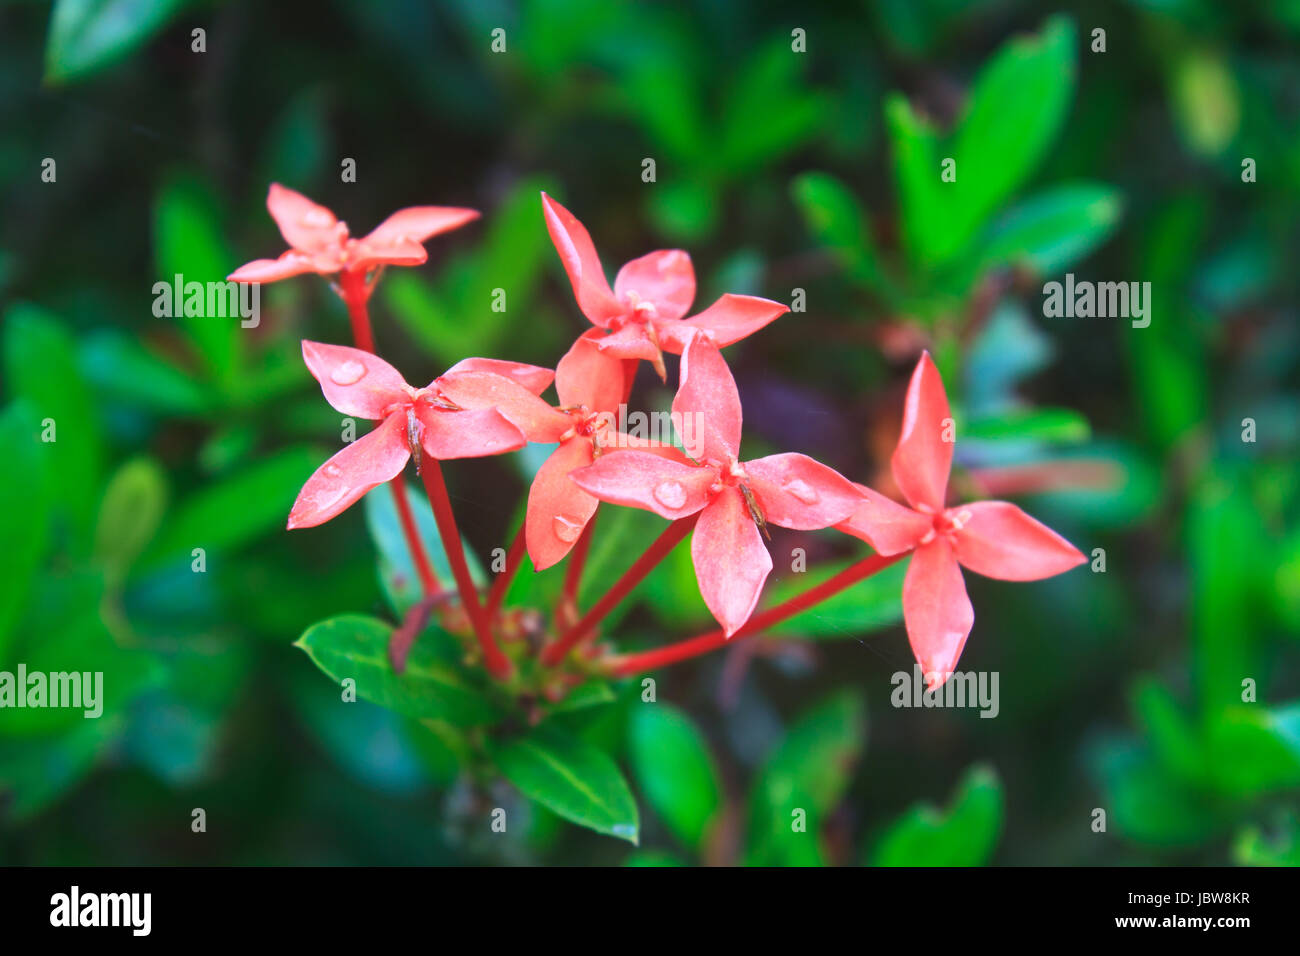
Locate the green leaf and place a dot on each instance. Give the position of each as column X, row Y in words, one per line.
column 88, row 35
column 397, row 574
column 915, row 147
column 236, row 511
column 804, row 780
column 838, row 223
column 571, row 778
column 639, row 858
column 1281, row 848
column 869, row 605
column 1253, row 751
column 672, row 765
column 130, row 514
column 37, row 771
column 40, row 365
column 1052, row 230
column 1053, row 425
column 355, row 647
column 966, row 834
column 1017, row 106
column 24, row 514
column 121, row 368
column 188, row 242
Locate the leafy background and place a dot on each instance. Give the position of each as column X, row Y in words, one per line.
column 818, row 171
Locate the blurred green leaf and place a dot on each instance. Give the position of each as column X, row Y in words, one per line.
column 803, row 780
column 966, row 834
column 37, row 771
column 652, row 858
column 1252, row 751
column 129, row 515
column 1055, row 425
column 869, row 605
column 1051, row 231
column 1253, row 847
column 122, row 369
column 838, row 223
column 24, row 513
column 572, row 778
column 355, row 647
column 1206, row 101
column 88, row 35
column 672, row 765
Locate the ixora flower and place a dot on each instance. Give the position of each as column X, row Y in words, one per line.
column 411, row 422
column 642, row 316
column 733, row 499
column 320, row 243
column 992, row 538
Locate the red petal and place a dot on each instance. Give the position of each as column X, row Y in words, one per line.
column 998, row 540
column 665, row 279
column 532, row 377
column 371, row 460
column 638, row 479
column 418, row 223
column 706, row 409
column 923, row 459
column 304, row 224
column 587, row 376
column 578, row 254
column 886, row 525
column 632, row 341
column 530, row 414
column 292, row 263
column 796, row 492
column 473, row 433
column 365, row 254
column 731, row 563
column 354, row 382
column 936, row 610
column 558, row 509
column 728, row 320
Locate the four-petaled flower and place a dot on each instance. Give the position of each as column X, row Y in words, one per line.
column 411, row 422
column 320, row 243
column 992, row 538
column 641, row 317
column 734, row 499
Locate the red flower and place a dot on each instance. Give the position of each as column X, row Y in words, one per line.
column 411, row 421
column 320, row 243
column 733, row 498
column 993, row 538
column 642, row 315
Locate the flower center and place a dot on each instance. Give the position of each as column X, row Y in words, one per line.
column 947, row 523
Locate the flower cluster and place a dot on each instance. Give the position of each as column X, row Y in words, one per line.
column 483, row 407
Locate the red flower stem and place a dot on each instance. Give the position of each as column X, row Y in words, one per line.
column 355, row 295
column 625, row 665
column 498, row 665
column 577, row 563
column 514, row 557
column 633, row 576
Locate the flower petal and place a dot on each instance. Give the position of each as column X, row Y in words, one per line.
column 797, row 492
column 292, row 263
column 923, row 459
column 936, row 610
column 365, row 254
column 728, row 320
column 884, row 524
column 588, row 376
column 372, row 459
column 665, row 279
column 578, row 255
column 998, row 540
column 418, row 223
column 534, row 417
column 632, row 341
column 731, row 563
column 304, row 224
column 639, row 479
column 532, row 377
column 474, row 433
column 354, row 381
column 706, row 409
column 558, row 510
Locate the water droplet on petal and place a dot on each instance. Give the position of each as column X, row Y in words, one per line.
column 670, row 494
column 333, row 471
column 566, row 528
column 802, row 490
column 349, row 373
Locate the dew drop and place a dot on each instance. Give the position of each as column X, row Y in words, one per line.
column 566, row 528
column 349, row 373
column 333, row 471
column 801, row 490
column 670, row 494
